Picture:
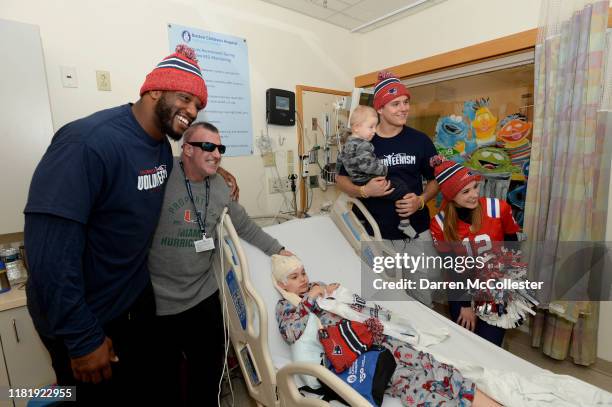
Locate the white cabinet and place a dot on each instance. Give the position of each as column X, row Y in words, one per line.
column 28, row 363
column 4, row 382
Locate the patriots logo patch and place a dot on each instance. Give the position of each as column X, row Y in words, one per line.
column 392, row 91
column 337, row 350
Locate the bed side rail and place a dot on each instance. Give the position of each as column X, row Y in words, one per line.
column 291, row 397
column 244, row 308
column 348, row 223
column 355, row 233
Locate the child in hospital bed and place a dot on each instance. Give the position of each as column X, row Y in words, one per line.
column 418, row 379
column 358, row 159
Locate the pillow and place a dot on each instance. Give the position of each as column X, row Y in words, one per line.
column 308, row 349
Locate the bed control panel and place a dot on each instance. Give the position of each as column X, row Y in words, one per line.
column 232, row 248
column 347, row 219
column 247, row 360
column 237, row 298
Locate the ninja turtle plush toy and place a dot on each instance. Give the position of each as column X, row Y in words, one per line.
column 491, row 160
column 452, row 138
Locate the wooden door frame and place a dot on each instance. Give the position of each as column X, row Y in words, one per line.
column 299, row 90
column 483, row 51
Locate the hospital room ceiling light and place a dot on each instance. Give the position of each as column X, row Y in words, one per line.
column 356, row 15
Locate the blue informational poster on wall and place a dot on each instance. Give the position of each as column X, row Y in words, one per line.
column 224, row 61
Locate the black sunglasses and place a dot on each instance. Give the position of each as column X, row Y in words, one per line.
column 208, row 146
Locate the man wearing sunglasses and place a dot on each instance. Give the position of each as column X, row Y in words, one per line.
column 93, row 204
column 180, row 261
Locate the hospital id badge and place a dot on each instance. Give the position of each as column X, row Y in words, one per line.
column 204, row 245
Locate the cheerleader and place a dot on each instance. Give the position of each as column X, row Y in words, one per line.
column 468, row 224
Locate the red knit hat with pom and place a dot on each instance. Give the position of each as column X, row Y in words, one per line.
column 344, row 342
column 388, row 88
column 178, row 72
column 451, row 177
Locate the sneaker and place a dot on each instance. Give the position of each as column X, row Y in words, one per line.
column 407, row 228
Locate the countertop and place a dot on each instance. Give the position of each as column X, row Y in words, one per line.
column 14, row 298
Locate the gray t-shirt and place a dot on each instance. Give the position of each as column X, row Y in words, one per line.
column 181, row 277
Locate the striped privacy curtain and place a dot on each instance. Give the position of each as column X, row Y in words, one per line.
column 569, row 174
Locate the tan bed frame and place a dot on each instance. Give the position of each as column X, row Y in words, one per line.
column 248, row 329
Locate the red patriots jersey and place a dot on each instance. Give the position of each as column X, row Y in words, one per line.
column 497, row 221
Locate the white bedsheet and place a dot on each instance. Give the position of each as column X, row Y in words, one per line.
column 328, row 257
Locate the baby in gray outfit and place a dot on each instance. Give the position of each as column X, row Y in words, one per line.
column 358, row 158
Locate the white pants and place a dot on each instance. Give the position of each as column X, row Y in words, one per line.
column 422, row 246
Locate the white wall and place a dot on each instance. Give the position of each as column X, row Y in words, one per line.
column 128, row 38
column 445, row 27
column 604, row 347
column 604, row 344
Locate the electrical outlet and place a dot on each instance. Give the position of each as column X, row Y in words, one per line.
column 277, row 185
column 103, row 80
column 305, row 164
column 69, row 77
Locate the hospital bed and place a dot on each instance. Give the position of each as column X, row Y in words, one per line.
column 328, row 246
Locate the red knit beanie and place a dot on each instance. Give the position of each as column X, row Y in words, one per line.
column 344, row 342
column 178, row 72
column 451, row 177
column 388, row 88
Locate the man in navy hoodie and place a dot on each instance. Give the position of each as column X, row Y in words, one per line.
column 93, row 205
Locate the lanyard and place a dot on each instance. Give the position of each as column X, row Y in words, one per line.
column 201, row 223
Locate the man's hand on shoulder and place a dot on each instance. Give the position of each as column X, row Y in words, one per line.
column 231, row 182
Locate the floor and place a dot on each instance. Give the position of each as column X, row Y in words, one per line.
column 238, row 396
